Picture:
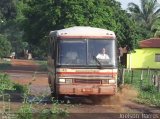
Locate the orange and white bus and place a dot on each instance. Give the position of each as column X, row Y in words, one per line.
column 73, row 66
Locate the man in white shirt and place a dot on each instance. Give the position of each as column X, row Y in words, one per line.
column 102, row 55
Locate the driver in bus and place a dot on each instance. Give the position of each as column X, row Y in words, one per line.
column 102, row 55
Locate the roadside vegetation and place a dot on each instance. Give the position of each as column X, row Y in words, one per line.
column 144, row 82
column 42, row 65
column 27, row 108
column 5, row 46
column 4, row 64
column 6, row 84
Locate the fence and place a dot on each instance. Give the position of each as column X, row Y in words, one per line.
column 144, row 79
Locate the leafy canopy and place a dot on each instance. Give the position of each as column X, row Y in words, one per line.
column 45, row 15
column 146, row 15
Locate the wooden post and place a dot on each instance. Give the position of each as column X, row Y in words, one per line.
column 151, row 77
column 132, row 77
column 123, row 73
column 148, row 71
column 141, row 82
column 158, row 82
column 148, row 76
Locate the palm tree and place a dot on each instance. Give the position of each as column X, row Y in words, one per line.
column 156, row 28
column 146, row 14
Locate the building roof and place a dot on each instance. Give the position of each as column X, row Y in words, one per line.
column 150, row 43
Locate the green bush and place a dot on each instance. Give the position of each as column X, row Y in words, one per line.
column 25, row 112
column 20, row 88
column 149, row 88
column 148, row 93
column 55, row 112
column 5, row 83
column 5, row 46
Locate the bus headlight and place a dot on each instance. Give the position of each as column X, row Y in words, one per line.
column 112, row 81
column 62, row 80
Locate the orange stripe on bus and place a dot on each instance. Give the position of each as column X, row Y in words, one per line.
column 87, row 73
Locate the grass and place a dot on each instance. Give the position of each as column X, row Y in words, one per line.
column 27, row 108
column 42, row 65
column 4, row 64
column 148, row 92
column 5, row 83
column 152, row 99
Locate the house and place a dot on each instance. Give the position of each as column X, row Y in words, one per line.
column 147, row 56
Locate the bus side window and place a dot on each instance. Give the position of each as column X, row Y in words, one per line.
column 52, row 47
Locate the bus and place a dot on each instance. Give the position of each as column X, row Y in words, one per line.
column 73, row 65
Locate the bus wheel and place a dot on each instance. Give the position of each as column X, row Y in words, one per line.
column 61, row 98
column 57, row 96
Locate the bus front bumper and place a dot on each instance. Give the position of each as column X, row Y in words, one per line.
column 86, row 89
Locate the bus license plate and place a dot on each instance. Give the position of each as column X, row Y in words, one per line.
column 86, row 90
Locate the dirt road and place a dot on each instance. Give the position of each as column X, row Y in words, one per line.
column 26, row 71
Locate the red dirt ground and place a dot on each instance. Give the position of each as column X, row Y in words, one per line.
column 26, row 71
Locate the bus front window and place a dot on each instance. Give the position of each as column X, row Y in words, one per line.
column 101, row 52
column 87, row 52
column 72, row 52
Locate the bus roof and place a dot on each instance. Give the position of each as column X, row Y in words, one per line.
column 83, row 31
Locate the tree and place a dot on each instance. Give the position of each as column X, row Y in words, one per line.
column 146, row 14
column 45, row 15
column 8, row 9
column 156, row 28
column 5, row 46
column 11, row 27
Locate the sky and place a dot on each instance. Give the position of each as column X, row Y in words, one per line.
column 125, row 2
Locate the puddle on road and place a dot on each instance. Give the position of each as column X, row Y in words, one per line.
column 39, row 99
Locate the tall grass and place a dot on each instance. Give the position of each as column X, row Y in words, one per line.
column 148, row 92
column 5, row 83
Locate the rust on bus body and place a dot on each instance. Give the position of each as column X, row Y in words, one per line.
column 86, row 89
column 87, row 82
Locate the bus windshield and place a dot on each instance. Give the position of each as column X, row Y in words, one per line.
column 87, row 52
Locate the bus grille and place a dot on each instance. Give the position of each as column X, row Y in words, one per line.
column 87, row 81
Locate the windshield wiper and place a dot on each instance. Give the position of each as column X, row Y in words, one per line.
column 94, row 57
